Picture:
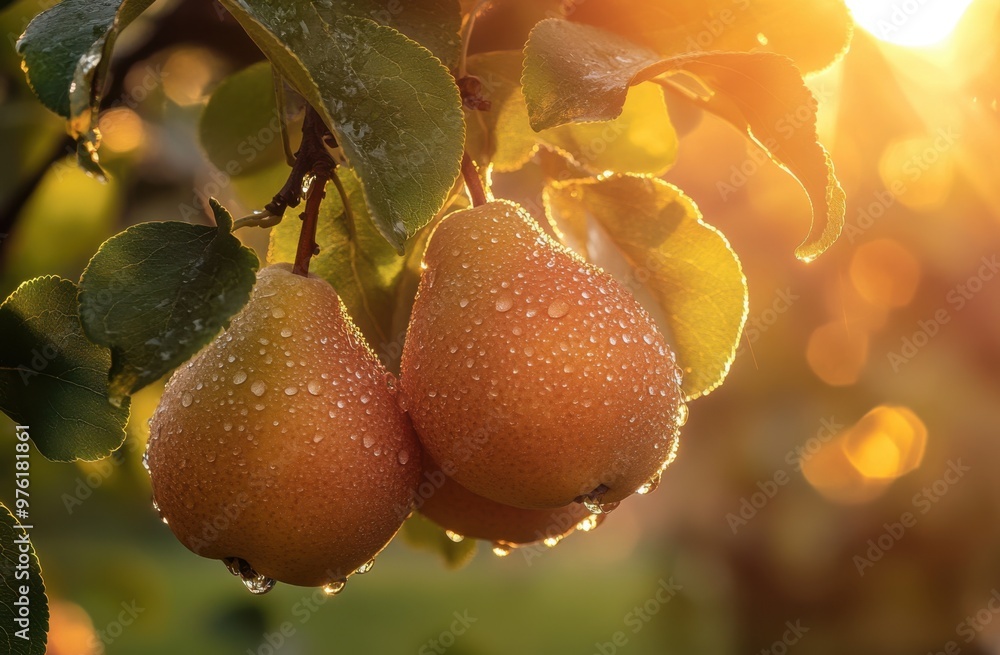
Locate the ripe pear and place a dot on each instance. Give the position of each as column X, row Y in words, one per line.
column 458, row 510
column 282, row 443
column 537, row 377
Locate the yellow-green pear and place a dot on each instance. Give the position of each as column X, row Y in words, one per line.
column 281, row 447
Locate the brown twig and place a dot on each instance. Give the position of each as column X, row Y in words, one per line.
column 473, row 182
column 311, row 154
column 312, row 159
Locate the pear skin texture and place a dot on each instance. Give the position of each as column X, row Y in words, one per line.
column 532, row 375
column 455, row 508
column 281, row 443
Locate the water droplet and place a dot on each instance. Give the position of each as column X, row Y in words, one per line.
column 502, row 549
column 463, row 303
column 318, row 438
column 145, row 461
column 187, row 399
column 240, row 377
column 291, row 391
column 369, row 441
column 594, row 501
column 365, row 568
column 314, row 387
column 258, row 388
column 403, row 457
column 278, row 312
column 650, row 486
column 552, row 542
column 558, row 309
column 286, row 332
column 334, row 588
column 365, row 399
column 454, row 536
column 589, row 523
column 504, row 303
column 210, row 457
column 256, row 583
column 682, row 415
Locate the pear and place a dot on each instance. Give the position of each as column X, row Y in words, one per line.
column 461, row 512
column 536, row 377
column 281, row 447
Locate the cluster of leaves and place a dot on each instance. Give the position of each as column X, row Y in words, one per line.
column 394, row 85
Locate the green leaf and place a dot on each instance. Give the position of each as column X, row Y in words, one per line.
column 157, row 292
column 52, row 378
column 433, row 24
column 687, row 265
column 240, row 129
column 579, row 73
column 422, row 533
column 364, row 270
column 17, row 559
column 66, row 51
column 394, row 108
column 813, row 34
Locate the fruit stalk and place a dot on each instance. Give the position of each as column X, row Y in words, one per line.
column 310, row 217
column 473, row 182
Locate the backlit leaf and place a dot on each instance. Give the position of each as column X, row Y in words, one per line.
column 687, row 265
column 420, row 532
column 813, row 34
column 579, row 73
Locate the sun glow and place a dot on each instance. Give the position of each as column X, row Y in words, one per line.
column 911, row 23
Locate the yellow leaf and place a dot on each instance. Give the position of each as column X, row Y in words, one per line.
column 686, row 265
column 641, row 140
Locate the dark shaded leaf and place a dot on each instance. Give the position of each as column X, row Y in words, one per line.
column 66, row 51
column 20, row 572
column 52, row 378
column 157, row 292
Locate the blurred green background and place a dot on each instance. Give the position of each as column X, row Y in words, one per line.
column 760, row 556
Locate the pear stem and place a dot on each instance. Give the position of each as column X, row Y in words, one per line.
column 473, row 182
column 310, row 218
